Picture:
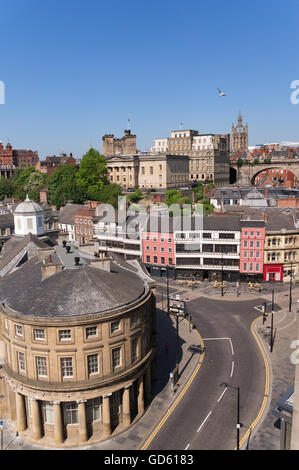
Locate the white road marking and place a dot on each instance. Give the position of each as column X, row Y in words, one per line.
column 222, row 394
column 203, row 422
column 231, row 344
column 232, row 371
column 187, row 446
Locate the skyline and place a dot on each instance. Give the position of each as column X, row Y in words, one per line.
column 74, row 72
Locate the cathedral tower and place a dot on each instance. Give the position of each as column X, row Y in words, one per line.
column 239, row 138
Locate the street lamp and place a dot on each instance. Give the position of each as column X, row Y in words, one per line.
column 238, row 424
column 291, row 282
column 176, row 308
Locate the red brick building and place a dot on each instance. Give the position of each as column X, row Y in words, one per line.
column 18, row 158
column 83, row 222
column 51, row 163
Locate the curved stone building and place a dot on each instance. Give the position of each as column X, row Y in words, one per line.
column 79, row 347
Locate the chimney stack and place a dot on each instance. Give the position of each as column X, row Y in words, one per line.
column 49, row 268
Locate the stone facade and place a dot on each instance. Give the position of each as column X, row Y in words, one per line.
column 72, row 380
column 161, row 171
column 124, row 146
column 239, row 136
column 208, row 154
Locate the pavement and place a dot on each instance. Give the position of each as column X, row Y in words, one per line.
column 266, row 435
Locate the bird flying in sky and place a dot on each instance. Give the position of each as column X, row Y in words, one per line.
column 221, row 93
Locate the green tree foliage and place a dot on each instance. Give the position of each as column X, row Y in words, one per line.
column 136, row 196
column 173, row 196
column 29, row 181
column 92, row 179
column 7, row 188
column 63, row 187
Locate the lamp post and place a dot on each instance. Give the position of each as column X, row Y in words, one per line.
column 1, row 428
column 238, row 424
column 177, row 308
column 291, row 285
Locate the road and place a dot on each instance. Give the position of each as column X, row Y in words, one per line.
column 206, row 417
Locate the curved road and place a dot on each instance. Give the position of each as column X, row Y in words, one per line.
column 206, row 416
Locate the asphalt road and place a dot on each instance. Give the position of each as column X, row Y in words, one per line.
column 205, row 418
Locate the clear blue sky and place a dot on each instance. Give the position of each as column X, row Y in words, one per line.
column 75, row 70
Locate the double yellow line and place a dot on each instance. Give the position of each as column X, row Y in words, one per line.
column 178, row 399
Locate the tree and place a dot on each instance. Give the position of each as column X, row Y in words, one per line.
column 63, row 187
column 240, row 162
column 136, row 196
column 29, row 181
column 92, row 179
column 7, row 188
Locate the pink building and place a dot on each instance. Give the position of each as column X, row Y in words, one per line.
column 252, row 248
column 158, row 252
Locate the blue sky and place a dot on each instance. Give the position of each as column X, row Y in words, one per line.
column 75, row 70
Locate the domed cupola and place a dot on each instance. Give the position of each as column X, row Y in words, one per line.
column 29, row 218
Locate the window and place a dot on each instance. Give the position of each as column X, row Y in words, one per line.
column 93, row 410
column 133, row 318
column 134, row 350
column 250, row 266
column 245, row 244
column 257, row 254
column 169, row 250
column 66, row 367
column 21, row 362
column 170, row 261
column 71, row 413
column 91, row 331
column 39, row 334
column 245, row 234
column 162, row 260
column 258, row 244
column 162, row 249
column 251, row 254
column 251, row 244
column 245, row 254
column 154, row 248
column 115, row 326
column 148, row 259
column 257, row 266
column 116, row 358
column 258, row 234
column 48, row 412
column 41, row 367
column 155, row 259
column 93, row 364
column 19, row 330
column 244, row 266
column 64, row 335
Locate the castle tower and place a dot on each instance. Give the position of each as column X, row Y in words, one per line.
column 239, row 138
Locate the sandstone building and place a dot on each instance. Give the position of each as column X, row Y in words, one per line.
column 148, row 171
column 239, row 136
column 124, row 146
column 208, row 153
column 77, row 340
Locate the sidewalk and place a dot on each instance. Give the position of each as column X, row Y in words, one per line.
column 163, row 395
column 266, row 436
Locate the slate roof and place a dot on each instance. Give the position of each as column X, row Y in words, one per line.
column 276, row 222
column 6, row 220
column 70, row 292
column 67, row 214
column 15, row 245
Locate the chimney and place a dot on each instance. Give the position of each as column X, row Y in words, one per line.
column 49, row 268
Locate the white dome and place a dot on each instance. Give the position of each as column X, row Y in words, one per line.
column 28, row 207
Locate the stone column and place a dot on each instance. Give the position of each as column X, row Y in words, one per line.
column 36, row 421
column 21, row 412
column 106, row 415
column 126, row 406
column 83, row 434
column 58, row 423
column 140, row 396
column 148, row 384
